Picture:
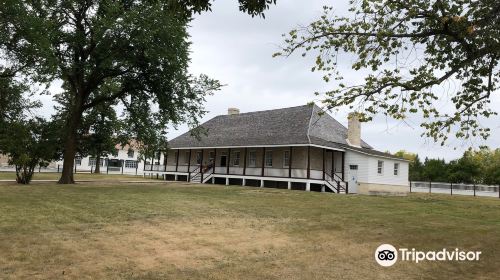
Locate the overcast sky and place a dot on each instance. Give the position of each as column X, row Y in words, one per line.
column 236, row 49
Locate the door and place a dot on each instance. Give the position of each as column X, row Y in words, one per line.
column 223, row 161
column 353, row 178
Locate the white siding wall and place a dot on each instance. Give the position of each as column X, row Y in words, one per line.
column 362, row 161
column 367, row 169
column 387, row 176
column 122, row 155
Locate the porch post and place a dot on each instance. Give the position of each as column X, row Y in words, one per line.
column 215, row 159
column 333, row 164
column 228, row 160
column 201, row 166
column 165, row 156
column 308, row 162
column 290, row 162
column 343, row 167
column 323, row 163
column 189, row 166
column 177, row 161
column 263, row 161
column 245, row 164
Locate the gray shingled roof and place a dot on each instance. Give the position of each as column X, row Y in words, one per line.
column 287, row 126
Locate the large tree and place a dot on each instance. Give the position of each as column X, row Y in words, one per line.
column 410, row 53
column 106, row 50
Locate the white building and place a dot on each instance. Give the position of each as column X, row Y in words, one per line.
column 124, row 160
column 294, row 148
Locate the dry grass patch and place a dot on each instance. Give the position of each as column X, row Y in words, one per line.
column 187, row 232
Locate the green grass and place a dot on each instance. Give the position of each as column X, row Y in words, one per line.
column 175, row 231
column 5, row 175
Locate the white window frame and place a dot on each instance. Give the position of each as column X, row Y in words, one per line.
column 286, row 158
column 396, row 169
column 236, row 158
column 267, row 159
column 252, row 158
column 131, row 164
column 380, row 167
column 93, row 161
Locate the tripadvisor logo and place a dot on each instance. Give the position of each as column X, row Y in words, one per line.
column 387, row 255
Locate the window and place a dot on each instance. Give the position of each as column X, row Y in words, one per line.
column 78, row 160
column 396, row 169
column 186, row 158
column 353, row 167
column 269, row 159
column 252, row 159
column 286, row 159
column 198, row 158
column 130, row 164
column 130, row 153
column 92, row 162
column 236, row 159
column 380, row 167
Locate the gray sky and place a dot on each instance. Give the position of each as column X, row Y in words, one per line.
column 237, row 50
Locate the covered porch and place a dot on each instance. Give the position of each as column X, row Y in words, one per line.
column 307, row 164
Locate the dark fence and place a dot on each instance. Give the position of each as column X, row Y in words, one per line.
column 455, row 188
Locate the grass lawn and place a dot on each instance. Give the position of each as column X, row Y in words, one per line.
column 5, row 175
column 175, row 231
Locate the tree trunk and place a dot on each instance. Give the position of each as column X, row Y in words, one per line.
column 98, row 164
column 70, row 146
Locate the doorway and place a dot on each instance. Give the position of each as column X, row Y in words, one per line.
column 353, row 178
column 223, row 161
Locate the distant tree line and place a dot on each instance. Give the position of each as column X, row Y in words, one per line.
column 475, row 166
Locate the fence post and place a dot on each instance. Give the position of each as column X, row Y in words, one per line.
column 137, row 166
column 107, row 168
column 410, row 186
column 39, row 168
column 91, row 169
column 474, row 186
column 58, row 168
column 430, row 186
column 75, row 168
column 451, row 188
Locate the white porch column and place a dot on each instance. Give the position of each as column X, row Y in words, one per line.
column 227, row 181
column 244, row 182
column 261, row 183
column 322, row 188
column 308, row 187
column 213, row 180
column 175, row 177
column 289, row 185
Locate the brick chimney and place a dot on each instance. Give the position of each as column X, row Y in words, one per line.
column 354, row 130
column 233, row 111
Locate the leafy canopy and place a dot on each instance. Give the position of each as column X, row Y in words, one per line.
column 410, row 50
column 28, row 144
